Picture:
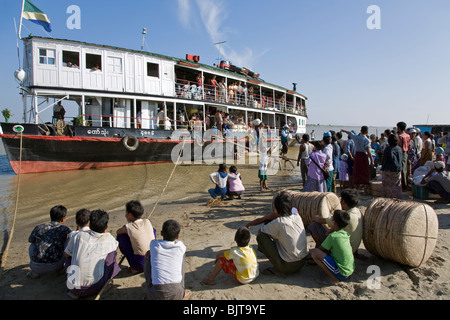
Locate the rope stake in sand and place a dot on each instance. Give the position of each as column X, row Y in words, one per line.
column 18, row 129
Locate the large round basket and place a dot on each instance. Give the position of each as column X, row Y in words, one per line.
column 311, row 204
column 401, row 231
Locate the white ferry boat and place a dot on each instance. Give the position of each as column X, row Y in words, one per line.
column 130, row 103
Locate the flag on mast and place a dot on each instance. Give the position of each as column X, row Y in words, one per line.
column 36, row 15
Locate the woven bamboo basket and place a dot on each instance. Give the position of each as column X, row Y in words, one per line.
column 376, row 189
column 311, row 204
column 401, row 231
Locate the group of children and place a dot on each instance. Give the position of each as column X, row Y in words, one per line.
column 89, row 254
column 228, row 185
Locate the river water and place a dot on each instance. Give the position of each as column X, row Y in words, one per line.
column 109, row 189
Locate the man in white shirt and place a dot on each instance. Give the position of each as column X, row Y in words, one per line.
column 93, row 257
column 283, row 240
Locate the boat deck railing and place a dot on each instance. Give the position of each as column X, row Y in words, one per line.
column 193, row 124
column 210, row 93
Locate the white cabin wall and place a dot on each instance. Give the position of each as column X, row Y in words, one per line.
column 93, row 79
column 114, row 71
column 152, row 85
column 45, row 74
column 129, row 71
column 120, row 71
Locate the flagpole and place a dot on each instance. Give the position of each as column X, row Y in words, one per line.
column 21, row 17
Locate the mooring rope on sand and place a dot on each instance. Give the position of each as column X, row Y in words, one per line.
column 164, row 189
column 168, row 180
column 11, row 233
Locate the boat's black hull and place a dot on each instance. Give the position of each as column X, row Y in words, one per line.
column 88, row 148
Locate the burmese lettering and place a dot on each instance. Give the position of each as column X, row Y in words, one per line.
column 97, row 131
column 147, row 133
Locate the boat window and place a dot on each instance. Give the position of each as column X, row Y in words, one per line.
column 114, row 65
column 71, row 59
column 93, row 61
column 153, row 69
column 47, row 56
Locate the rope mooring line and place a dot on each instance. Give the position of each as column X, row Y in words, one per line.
column 11, row 233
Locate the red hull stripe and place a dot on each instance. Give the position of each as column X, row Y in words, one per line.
column 48, row 166
column 64, row 138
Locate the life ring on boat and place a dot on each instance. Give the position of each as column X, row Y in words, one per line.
column 133, row 140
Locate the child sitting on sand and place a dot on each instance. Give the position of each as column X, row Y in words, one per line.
column 165, row 265
column 235, row 186
column 339, row 264
column 349, row 202
column 240, row 261
column 134, row 238
column 47, row 243
column 219, row 178
column 82, row 221
column 93, row 256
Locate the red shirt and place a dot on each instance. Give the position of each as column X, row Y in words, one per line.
column 404, row 142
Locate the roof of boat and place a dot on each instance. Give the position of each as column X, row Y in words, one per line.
column 164, row 57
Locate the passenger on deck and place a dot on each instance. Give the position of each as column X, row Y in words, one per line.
column 58, row 111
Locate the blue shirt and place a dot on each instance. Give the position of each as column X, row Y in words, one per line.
column 284, row 135
column 361, row 141
column 350, row 147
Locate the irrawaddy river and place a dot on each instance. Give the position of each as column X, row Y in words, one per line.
column 109, row 189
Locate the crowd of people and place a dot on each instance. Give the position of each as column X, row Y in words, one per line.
column 399, row 155
column 89, row 254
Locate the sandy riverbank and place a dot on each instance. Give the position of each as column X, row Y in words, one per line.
column 209, row 230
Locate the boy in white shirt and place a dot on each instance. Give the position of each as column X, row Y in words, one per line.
column 165, row 265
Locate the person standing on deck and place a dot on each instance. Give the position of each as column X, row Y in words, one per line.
column 361, row 168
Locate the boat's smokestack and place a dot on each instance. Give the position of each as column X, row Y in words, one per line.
column 294, row 87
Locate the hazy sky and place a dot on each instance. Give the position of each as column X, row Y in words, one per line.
column 351, row 74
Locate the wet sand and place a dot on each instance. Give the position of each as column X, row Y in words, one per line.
column 205, row 232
